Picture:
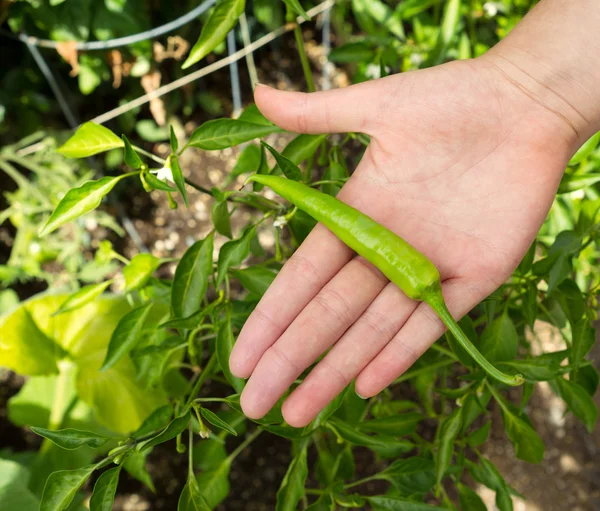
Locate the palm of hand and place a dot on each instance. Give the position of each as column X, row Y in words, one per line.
column 460, row 167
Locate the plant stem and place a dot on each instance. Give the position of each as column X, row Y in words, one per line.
column 304, row 59
column 157, row 159
column 411, row 374
column 436, row 301
column 247, row 441
column 201, row 379
column 359, row 482
column 190, row 449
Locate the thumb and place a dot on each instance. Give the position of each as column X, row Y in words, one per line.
column 332, row 111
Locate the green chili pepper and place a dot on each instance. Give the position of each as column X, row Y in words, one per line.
column 400, row 262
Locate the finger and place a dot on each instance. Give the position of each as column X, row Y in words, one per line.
column 421, row 330
column 332, row 111
column 317, row 260
column 316, row 328
column 359, row 345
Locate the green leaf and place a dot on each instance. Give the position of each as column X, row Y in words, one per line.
column 487, row 474
column 72, row 438
column 88, row 140
column 288, row 167
column 209, row 453
column 14, row 491
column 295, row 7
column 469, row 500
column 253, row 115
column 118, row 400
column 448, row 30
column 223, row 133
column 335, row 172
column 499, row 341
column 543, row 368
column 158, row 419
column 381, row 13
column 410, row 475
column 248, row 161
column 79, row 201
column 220, row 217
column 178, row 178
column 579, row 402
column 479, row 436
column 173, row 139
column 153, row 182
column 586, row 149
column 105, row 489
column 216, row 421
column 291, row 490
column 191, row 278
column 398, row 425
column 302, row 147
column 175, row 427
column 139, row 270
column 82, row 297
column 385, row 503
column 381, row 444
column 191, row 498
column 126, row 335
column 255, row 279
column 233, row 253
column 214, row 484
column 527, row 443
column 588, row 378
column 223, row 347
column 61, row 487
column 135, row 465
column 131, row 158
column 349, row 501
column 221, row 20
column 323, row 503
column 583, row 339
column 573, row 182
column 448, row 433
column 359, row 51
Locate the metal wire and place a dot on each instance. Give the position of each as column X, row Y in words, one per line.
column 326, row 35
column 62, row 102
column 234, row 73
column 202, row 72
column 120, row 41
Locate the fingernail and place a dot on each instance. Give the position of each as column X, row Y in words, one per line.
column 362, row 397
column 258, row 84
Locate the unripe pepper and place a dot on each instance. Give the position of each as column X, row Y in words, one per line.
column 399, row 261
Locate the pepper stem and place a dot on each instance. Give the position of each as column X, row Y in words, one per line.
column 437, row 303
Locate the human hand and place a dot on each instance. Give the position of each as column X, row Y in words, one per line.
column 464, row 164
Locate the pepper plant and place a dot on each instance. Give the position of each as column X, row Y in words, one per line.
column 121, row 372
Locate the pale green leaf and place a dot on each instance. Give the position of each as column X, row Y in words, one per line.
column 79, row 201
column 90, row 139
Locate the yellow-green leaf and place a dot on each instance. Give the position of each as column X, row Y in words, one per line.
column 79, row 201
column 90, row 139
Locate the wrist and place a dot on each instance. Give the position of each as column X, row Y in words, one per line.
column 550, row 57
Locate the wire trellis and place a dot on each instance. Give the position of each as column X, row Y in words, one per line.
column 120, row 41
column 196, row 75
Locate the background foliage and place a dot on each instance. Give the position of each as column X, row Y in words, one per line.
column 119, row 352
